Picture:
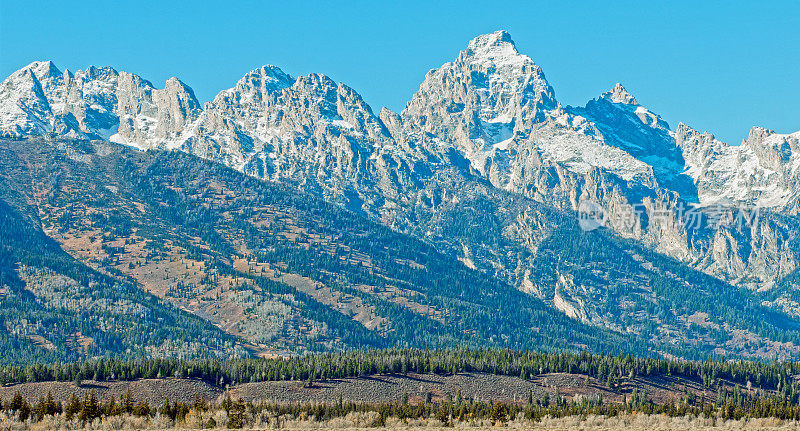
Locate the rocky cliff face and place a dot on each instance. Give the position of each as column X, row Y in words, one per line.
column 494, row 105
column 307, row 130
column 482, row 131
column 98, row 103
column 763, row 170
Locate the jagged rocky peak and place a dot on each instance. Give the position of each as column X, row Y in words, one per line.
column 619, row 94
column 96, row 103
column 762, row 171
column 309, row 129
column 274, row 76
column 761, row 137
column 265, row 79
column 150, row 116
column 324, row 102
column 496, row 48
column 695, row 143
column 321, row 92
column 39, row 71
column 43, row 69
column 36, row 74
column 33, row 102
column 504, row 68
column 761, row 134
column 483, row 98
column 698, row 148
column 618, row 105
column 93, row 73
column 758, row 133
column 175, row 85
column 774, row 150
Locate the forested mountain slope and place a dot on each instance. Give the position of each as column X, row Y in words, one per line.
column 53, row 307
column 276, row 269
column 292, row 217
column 279, row 271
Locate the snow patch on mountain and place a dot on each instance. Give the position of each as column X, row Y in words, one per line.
column 96, row 103
column 762, row 171
column 489, row 113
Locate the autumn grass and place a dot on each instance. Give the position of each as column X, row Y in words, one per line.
column 368, row 420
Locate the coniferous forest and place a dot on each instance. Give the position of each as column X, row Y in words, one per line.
column 167, row 269
column 732, row 390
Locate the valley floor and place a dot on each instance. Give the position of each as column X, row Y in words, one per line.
column 379, row 390
column 373, row 389
column 634, row 422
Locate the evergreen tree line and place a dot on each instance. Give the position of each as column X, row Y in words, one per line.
column 608, row 369
column 239, row 414
column 90, row 407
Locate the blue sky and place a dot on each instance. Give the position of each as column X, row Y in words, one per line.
column 717, row 66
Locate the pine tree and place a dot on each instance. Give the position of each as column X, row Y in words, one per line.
column 127, row 402
column 310, row 381
column 166, row 410
column 91, row 408
column 73, row 407
column 236, row 415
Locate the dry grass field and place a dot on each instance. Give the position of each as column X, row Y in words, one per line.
column 379, row 389
column 365, row 421
column 372, row 389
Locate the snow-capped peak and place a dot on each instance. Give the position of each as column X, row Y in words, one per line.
column 758, row 133
column 491, row 103
column 491, row 79
column 499, row 38
column 274, row 78
column 43, row 69
column 619, row 94
column 496, row 49
column 254, row 85
column 96, row 103
column 490, row 107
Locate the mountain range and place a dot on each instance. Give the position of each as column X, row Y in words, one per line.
column 285, row 216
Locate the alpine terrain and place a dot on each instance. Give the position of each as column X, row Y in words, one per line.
column 286, row 216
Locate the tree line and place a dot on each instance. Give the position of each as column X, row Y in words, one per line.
column 608, row 369
column 448, row 411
